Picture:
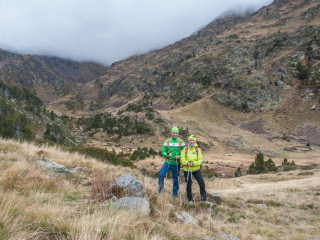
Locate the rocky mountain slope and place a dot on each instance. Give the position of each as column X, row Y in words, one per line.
column 48, row 77
column 247, row 63
column 252, row 81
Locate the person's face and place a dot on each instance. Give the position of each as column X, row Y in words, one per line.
column 174, row 135
column 191, row 142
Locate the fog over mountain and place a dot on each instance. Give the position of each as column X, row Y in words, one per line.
column 103, row 30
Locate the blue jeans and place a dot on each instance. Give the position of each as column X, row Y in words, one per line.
column 175, row 174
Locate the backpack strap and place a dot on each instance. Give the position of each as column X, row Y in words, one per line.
column 186, row 149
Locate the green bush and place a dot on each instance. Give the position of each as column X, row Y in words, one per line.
column 142, row 153
column 303, row 72
column 238, row 173
column 286, row 166
column 149, row 115
column 261, row 166
column 121, row 125
column 103, row 155
column 208, row 173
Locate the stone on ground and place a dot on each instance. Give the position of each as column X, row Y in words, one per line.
column 137, row 203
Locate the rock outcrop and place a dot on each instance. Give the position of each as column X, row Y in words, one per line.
column 131, row 185
column 137, row 203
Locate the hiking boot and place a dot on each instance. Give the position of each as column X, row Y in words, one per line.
column 191, row 202
column 160, row 190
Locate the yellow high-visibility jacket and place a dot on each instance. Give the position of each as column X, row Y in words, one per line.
column 191, row 156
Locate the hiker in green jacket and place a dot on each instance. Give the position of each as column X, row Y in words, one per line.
column 171, row 150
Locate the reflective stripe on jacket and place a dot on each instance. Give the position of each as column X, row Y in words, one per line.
column 174, row 148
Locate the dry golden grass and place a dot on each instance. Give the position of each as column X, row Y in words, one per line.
column 36, row 205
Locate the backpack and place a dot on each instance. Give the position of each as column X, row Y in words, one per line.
column 186, row 149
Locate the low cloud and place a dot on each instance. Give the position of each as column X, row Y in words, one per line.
column 103, row 30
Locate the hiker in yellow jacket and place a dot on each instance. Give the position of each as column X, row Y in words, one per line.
column 191, row 160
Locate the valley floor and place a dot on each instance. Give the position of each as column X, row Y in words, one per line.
column 37, row 205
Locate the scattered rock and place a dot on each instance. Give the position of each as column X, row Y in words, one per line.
column 56, row 168
column 137, row 203
column 268, row 153
column 216, row 197
column 114, row 199
column 209, row 204
column 130, row 185
column 261, row 205
column 201, row 129
column 284, row 219
column 217, row 139
column 80, row 169
column 242, row 206
column 228, row 236
column 253, row 126
column 186, row 218
column 213, row 178
column 313, row 107
column 208, row 238
column 289, row 149
column 200, row 217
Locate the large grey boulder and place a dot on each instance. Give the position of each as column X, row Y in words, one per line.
column 130, row 185
column 56, row 168
column 136, row 203
column 186, row 218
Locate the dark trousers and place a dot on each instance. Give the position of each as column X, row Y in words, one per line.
column 197, row 175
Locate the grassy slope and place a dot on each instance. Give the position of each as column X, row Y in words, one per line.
column 35, row 205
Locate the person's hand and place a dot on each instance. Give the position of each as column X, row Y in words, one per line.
column 170, row 154
column 190, row 164
column 177, row 157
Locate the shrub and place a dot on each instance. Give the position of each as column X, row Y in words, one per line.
column 303, row 72
column 245, row 107
column 208, row 173
column 261, row 166
column 149, row 115
column 140, row 153
column 102, row 189
column 286, row 166
column 103, row 155
column 270, row 165
column 238, row 173
column 121, row 125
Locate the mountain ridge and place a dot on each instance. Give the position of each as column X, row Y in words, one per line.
column 206, row 58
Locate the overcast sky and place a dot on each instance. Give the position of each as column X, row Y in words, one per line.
column 103, row 30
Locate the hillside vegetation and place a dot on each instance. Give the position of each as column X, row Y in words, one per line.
column 37, row 205
column 24, row 117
